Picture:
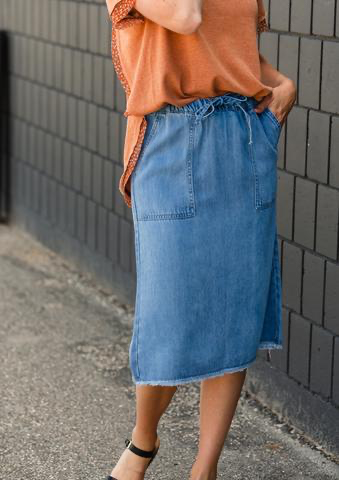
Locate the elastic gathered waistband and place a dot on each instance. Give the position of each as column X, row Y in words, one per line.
column 203, row 107
column 203, row 103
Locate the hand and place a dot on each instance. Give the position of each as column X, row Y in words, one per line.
column 280, row 101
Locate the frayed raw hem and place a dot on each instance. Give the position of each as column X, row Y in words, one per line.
column 269, row 345
column 195, row 378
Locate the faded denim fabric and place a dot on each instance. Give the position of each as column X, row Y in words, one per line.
column 204, row 213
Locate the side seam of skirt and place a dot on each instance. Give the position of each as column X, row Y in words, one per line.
column 133, row 348
column 273, row 313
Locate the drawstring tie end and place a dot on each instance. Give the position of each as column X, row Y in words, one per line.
column 209, row 104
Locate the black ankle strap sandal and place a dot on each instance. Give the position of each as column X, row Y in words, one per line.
column 138, row 451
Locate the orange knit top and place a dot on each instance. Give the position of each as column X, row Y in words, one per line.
column 157, row 66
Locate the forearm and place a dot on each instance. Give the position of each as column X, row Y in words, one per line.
column 269, row 75
column 179, row 16
column 283, row 94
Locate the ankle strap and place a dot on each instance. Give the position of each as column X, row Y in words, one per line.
column 138, row 451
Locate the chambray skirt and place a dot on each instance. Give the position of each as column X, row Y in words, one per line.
column 208, row 292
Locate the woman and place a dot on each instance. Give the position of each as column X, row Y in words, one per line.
column 204, row 114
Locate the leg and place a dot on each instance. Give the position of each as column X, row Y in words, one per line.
column 218, row 401
column 151, row 403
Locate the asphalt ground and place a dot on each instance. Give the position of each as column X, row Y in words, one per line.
column 67, row 398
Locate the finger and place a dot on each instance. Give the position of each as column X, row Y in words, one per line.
column 262, row 105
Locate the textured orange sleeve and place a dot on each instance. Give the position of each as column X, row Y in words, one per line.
column 123, row 13
column 262, row 25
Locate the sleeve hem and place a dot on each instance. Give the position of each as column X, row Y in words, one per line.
column 122, row 17
column 262, row 24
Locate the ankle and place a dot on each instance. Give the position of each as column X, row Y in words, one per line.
column 211, row 475
column 203, row 471
column 144, row 439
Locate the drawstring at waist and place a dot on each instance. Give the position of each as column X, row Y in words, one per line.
column 237, row 101
column 201, row 106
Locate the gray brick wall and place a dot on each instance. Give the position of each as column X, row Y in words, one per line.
column 304, row 43
column 66, row 143
column 67, row 127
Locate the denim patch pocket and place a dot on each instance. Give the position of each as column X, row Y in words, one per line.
column 162, row 180
column 273, row 117
column 264, row 151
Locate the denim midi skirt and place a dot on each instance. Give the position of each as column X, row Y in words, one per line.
column 208, row 292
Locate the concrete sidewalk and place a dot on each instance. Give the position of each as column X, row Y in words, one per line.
column 67, row 398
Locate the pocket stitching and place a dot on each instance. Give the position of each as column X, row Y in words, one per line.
column 189, row 210
column 274, row 118
column 276, row 126
column 259, row 203
column 151, row 135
